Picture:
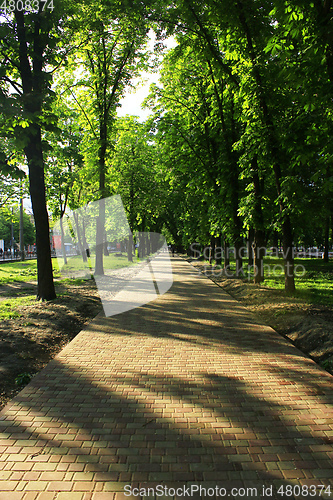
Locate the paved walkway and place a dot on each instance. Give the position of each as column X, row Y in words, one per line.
column 187, row 390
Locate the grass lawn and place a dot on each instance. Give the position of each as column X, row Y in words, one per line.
column 9, row 308
column 313, row 278
column 27, row 270
column 76, row 265
column 18, row 271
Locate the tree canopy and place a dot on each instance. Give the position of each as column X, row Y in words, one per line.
column 237, row 151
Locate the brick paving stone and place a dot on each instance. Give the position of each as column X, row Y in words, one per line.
column 14, row 495
column 70, row 496
column 188, row 388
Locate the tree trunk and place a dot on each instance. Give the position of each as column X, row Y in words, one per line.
column 105, row 247
column 327, row 238
column 63, row 248
column 22, row 252
column 288, row 256
column 239, row 257
column 250, row 248
column 259, row 254
column 273, row 144
column 275, row 242
column 79, row 239
column 33, row 86
column 218, row 251
column 211, row 250
column 45, row 285
column 259, row 233
column 100, row 228
column 84, row 241
column 234, row 187
column 100, row 231
column 130, row 248
column 226, row 255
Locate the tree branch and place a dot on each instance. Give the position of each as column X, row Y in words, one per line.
column 85, row 114
column 13, row 84
column 211, row 45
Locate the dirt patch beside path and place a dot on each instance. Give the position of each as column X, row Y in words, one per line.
column 34, row 332
column 309, row 327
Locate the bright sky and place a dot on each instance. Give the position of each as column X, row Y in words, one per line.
column 131, row 103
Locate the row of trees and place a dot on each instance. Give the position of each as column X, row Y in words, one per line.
column 243, row 120
column 92, row 48
column 239, row 142
column 10, row 226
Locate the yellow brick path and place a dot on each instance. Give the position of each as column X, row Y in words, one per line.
column 187, row 390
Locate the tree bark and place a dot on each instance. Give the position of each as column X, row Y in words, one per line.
column 288, row 256
column 226, row 255
column 211, row 250
column 259, row 233
column 326, row 238
column 100, row 228
column 33, row 85
column 100, row 232
column 63, row 248
column 218, row 251
column 45, row 285
column 82, row 248
column 130, row 246
column 259, row 254
column 250, row 248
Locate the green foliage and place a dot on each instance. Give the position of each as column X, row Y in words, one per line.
column 240, row 136
column 133, row 173
column 7, row 217
column 314, row 279
column 249, row 84
column 23, row 379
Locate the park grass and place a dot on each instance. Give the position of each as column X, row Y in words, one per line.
column 313, row 278
column 75, row 264
column 313, row 281
column 18, row 280
column 21, row 271
column 9, row 308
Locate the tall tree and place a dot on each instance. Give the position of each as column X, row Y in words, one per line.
column 110, row 60
column 29, row 53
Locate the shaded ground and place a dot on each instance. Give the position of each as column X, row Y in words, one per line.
column 34, row 332
column 308, row 326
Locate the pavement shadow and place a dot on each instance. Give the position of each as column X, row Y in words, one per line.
column 120, row 429
column 143, row 427
column 213, row 319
